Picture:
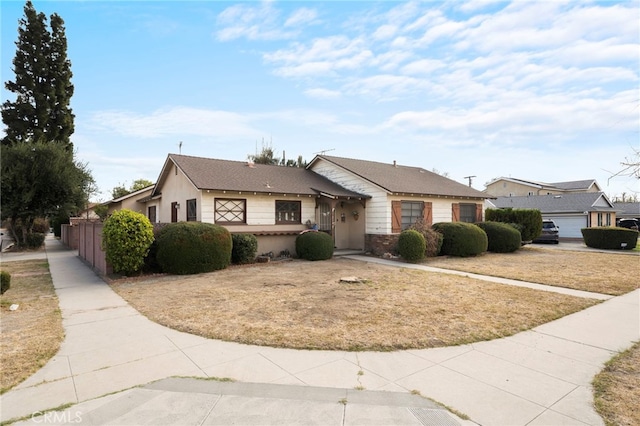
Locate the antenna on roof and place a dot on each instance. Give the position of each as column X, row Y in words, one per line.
column 470, row 179
column 323, row 151
column 180, row 148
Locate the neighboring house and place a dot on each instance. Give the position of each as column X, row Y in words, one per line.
column 87, row 214
column 628, row 210
column 364, row 205
column 135, row 201
column 512, row 187
column 570, row 211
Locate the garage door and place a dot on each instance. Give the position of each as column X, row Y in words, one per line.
column 570, row 226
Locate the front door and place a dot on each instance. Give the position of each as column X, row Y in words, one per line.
column 174, row 211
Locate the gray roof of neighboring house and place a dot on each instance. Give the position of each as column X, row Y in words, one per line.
column 574, row 185
column 225, row 175
column 566, row 203
column 403, row 179
column 628, row 209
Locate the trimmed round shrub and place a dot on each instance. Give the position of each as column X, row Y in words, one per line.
column 245, row 247
column 432, row 238
column 611, row 238
column 461, row 239
column 314, row 245
column 5, row 281
column 35, row 240
column 530, row 220
column 503, row 238
column 411, row 245
column 193, row 248
column 126, row 238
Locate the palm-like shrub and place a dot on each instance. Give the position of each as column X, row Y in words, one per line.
column 126, row 238
column 432, row 238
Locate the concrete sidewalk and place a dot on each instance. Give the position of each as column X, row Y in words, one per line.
column 538, row 377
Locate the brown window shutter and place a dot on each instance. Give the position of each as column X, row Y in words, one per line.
column 455, row 212
column 396, row 217
column 428, row 213
column 478, row 212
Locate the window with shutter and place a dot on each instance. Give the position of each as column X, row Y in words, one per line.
column 455, row 212
column 396, row 217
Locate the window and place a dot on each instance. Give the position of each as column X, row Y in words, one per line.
column 288, row 212
column 151, row 214
column 467, row 213
column 192, row 214
column 411, row 212
column 324, row 217
column 230, row 211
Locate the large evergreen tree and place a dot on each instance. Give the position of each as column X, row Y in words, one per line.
column 40, row 177
column 42, row 85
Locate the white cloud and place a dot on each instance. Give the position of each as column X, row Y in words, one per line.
column 321, row 56
column 384, row 32
column 262, row 22
column 319, row 93
column 422, row 67
column 178, row 121
column 301, row 16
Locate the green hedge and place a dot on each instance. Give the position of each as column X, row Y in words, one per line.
column 529, row 219
column 193, row 248
column 503, row 238
column 35, row 240
column 412, row 245
column 607, row 237
column 245, row 247
column 461, row 239
column 5, row 281
column 126, row 238
column 314, row 245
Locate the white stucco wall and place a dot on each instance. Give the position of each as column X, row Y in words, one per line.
column 177, row 188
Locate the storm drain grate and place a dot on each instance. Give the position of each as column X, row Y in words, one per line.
column 429, row 417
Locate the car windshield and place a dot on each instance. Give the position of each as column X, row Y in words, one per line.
column 548, row 225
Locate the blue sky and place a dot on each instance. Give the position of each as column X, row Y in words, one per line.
column 539, row 90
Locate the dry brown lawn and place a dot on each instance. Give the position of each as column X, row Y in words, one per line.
column 301, row 304
column 608, row 273
column 617, row 389
column 32, row 334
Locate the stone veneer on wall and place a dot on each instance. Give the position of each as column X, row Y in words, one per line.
column 379, row 244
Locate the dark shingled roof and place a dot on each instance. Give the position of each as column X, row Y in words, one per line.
column 404, row 179
column 629, row 209
column 574, row 185
column 224, row 175
column 565, row 203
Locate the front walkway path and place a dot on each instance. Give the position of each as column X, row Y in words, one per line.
column 538, row 377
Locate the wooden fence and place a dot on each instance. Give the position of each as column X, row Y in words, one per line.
column 86, row 237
